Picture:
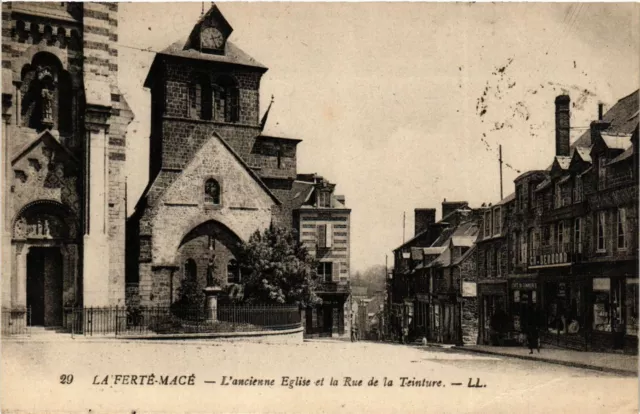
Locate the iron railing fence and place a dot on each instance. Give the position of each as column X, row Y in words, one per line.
column 155, row 320
column 16, row 321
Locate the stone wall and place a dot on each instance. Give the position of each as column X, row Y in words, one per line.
column 180, row 207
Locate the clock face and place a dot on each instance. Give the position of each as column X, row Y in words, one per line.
column 212, row 38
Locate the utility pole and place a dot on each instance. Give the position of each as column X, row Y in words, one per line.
column 500, row 162
column 404, row 219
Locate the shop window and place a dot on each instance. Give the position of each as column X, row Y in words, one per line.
column 622, row 222
column 325, row 271
column 564, row 306
column 607, row 305
column 601, row 223
column 211, row 192
column 631, row 306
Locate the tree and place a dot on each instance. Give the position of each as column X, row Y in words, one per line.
column 276, row 268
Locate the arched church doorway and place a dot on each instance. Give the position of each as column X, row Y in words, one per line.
column 45, row 285
column 209, row 254
column 45, row 277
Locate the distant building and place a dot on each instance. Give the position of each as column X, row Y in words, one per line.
column 323, row 223
column 433, row 283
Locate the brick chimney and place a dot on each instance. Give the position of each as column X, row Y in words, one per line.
column 450, row 206
column 563, row 125
column 424, row 217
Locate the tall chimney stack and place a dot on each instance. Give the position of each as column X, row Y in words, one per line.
column 563, row 125
column 600, row 111
column 424, row 217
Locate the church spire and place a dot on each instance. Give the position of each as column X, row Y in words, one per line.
column 263, row 123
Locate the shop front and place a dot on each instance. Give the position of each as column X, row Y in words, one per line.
column 523, row 299
column 615, row 313
column 421, row 326
column 492, row 312
column 445, row 319
column 565, row 310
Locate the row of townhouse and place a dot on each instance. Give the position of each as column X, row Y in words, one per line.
column 565, row 243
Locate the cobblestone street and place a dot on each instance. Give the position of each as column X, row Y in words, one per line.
column 31, row 379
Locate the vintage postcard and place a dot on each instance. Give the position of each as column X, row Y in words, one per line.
column 385, row 207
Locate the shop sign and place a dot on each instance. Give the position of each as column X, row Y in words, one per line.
column 601, row 284
column 469, row 290
column 524, row 285
column 562, row 290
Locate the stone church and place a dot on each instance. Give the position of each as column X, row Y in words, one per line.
column 64, row 122
column 215, row 174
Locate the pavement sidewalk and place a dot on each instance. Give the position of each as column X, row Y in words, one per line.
column 606, row 362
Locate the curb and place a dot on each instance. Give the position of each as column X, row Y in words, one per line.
column 581, row 365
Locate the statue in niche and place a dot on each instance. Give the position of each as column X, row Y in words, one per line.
column 47, row 82
column 211, row 267
column 47, row 106
column 45, row 228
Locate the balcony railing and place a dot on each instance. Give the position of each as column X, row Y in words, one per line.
column 556, row 254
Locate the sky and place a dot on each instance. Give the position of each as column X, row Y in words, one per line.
column 403, row 105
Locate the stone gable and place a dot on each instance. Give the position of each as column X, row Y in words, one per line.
column 244, row 208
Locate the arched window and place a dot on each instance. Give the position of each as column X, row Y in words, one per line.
column 212, row 192
column 190, row 270
column 199, row 106
column 226, row 100
column 233, row 272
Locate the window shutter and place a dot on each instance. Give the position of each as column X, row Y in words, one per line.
column 322, row 235
column 329, row 235
column 335, row 272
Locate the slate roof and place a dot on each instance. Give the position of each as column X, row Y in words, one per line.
column 464, row 256
column 506, row 200
column 625, row 155
column 563, row 161
column 623, row 117
column 584, row 153
column 416, row 253
column 543, row 185
column 232, row 54
column 463, row 241
column 616, row 141
column 428, row 251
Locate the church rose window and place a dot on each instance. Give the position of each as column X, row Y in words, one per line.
column 212, row 192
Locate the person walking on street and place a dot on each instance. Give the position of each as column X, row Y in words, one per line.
column 533, row 335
